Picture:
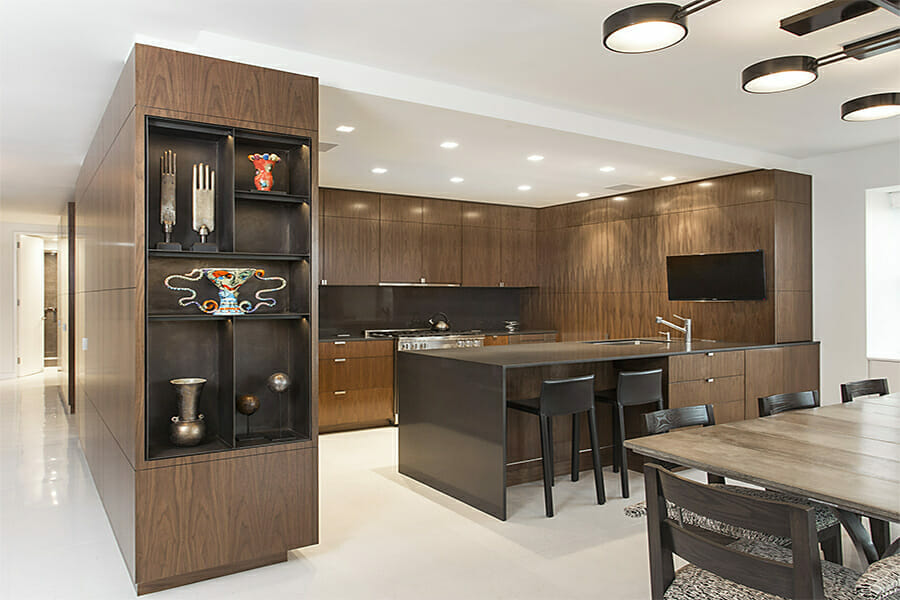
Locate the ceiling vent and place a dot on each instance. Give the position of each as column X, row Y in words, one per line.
column 623, row 187
column 325, row 147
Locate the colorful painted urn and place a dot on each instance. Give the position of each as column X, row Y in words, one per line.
column 228, row 282
column 264, row 163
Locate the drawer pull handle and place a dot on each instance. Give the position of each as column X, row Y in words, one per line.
column 710, row 353
column 340, row 360
column 339, row 343
column 340, row 393
column 710, row 380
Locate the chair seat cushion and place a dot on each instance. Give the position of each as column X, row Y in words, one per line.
column 825, row 516
column 881, row 581
column 693, row 583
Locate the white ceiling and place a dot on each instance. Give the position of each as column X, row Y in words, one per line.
column 57, row 73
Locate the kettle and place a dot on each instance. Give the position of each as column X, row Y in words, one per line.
column 439, row 322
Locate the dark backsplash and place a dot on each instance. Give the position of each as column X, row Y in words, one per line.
column 351, row 309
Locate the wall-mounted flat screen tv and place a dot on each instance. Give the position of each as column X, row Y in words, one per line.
column 717, row 277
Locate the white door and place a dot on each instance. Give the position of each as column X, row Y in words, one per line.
column 30, row 305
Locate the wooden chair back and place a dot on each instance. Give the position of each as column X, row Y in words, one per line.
column 801, row 579
column 664, row 421
column 779, row 403
column 866, row 387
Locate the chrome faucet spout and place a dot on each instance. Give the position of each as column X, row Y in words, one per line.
column 686, row 330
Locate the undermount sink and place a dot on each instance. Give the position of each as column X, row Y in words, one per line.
column 634, row 342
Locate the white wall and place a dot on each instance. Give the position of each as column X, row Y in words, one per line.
column 8, row 233
column 883, row 274
column 840, row 182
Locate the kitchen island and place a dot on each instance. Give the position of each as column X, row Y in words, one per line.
column 457, row 436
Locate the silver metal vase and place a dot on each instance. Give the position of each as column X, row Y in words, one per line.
column 187, row 428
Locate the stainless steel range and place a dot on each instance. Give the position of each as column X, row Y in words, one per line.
column 424, row 339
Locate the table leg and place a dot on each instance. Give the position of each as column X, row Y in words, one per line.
column 881, row 534
column 852, row 522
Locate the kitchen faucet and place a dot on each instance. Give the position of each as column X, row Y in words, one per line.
column 686, row 330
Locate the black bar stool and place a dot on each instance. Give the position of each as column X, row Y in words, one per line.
column 561, row 397
column 634, row 388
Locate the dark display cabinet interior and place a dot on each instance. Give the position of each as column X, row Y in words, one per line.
column 269, row 231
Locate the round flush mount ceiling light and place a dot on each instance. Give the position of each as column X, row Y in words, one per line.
column 779, row 74
column 379, row 170
column 524, row 188
column 644, row 28
column 457, row 179
column 871, row 108
column 449, row 145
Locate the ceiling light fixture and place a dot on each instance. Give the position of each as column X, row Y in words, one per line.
column 668, row 178
column 449, row 145
column 582, row 194
column 871, row 108
column 457, row 179
column 705, row 184
column 379, row 170
column 607, row 169
column 345, row 128
column 620, row 198
column 524, row 188
column 649, row 27
column 535, row 158
column 792, row 72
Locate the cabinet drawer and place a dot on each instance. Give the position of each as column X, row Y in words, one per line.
column 341, row 349
column 356, row 373
column 726, row 412
column 692, row 367
column 726, row 389
column 496, row 340
column 718, row 391
column 346, row 408
column 688, row 393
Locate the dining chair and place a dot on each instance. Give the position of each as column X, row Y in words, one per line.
column 779, row 403
column 721, row 567
column 866, row 387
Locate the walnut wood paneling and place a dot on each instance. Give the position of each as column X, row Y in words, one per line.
column 441, row 253
column 356, row 373
column 341, row 349
column 443, row 212
column 207, row 515
column 353, row 409
column 793, row 321
column 349, row 203
column 517, row 257
column 779, row 371
column 400, row 251
column 401, row 208
column 350, row 251
column 481, row 256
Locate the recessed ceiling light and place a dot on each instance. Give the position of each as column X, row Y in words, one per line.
column 705, row 184
column 379, row 170
column 524, row 188
column 871, row 108
column 457, row 179
column 345, row 128
column 535, row 158
column 449, row 145
column 620, row 198
column 644, row 28
column 779, row 74
column 582, row 194
column 607, row 169
column 668, row 178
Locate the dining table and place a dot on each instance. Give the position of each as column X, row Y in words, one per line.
column 843, row 455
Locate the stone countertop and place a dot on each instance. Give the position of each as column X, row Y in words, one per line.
column 537, row 355
column 358, row 337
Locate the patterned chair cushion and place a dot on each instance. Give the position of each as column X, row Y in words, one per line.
column 881, row 581
column 825, row 516
column 693, row 583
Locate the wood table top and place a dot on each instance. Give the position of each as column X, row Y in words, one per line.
column 847, row 455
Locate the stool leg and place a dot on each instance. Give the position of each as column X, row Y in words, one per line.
column 552, row 458
column 623, row 456
column 576, row 444
column 595, row 457
column 616, row 439
column 545, row 454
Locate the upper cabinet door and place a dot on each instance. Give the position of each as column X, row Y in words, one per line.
column 401, row 252
column 349, row 203
column 349, row 251
column 401, row 208
column 441, row 253
column 441, row 212
column 518, row 260
column 481, row 256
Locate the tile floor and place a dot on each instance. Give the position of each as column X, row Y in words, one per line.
column 383, row 536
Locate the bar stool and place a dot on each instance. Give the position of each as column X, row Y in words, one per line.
column 634, row 389
column 562, row 397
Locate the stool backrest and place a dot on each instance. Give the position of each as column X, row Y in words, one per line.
column 800, row 579
column 664, row 421
column 567, row 396
column 779, row 403
column 639, row 387
column 866, row 387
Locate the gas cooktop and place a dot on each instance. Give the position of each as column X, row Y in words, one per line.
column 392, row 333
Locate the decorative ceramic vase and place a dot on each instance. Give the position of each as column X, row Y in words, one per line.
column 264, row 163
column 187, row 428
column 228, row 281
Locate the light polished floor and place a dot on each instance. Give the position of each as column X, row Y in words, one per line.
column 382, row 535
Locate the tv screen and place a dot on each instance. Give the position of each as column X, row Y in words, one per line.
column 729, row 276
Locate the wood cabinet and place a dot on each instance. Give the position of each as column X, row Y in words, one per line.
column 779, row 370
column 532, row 338
column 715, row 378
column 441, row 253
column 349, row 237
column 356, row 384
column 480, row 256
column 401, row 252
column 517, row 258
column 496, row 340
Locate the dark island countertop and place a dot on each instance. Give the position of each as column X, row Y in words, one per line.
column 332, row 336
column 537, row 355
